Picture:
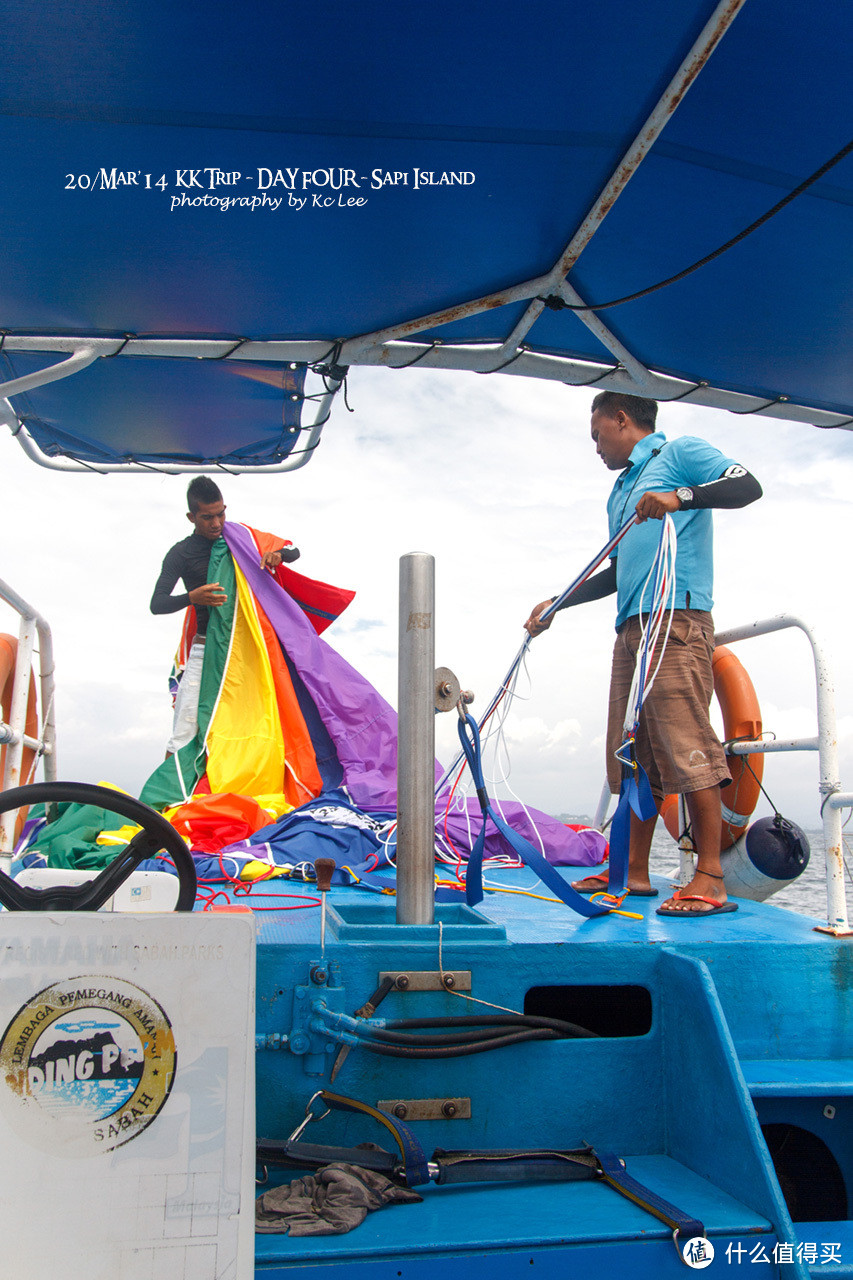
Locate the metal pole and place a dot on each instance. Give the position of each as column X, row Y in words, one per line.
column 416, row 742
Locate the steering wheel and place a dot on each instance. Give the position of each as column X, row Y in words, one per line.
column 156, row 834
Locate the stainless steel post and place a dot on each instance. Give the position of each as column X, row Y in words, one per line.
column 416, row 742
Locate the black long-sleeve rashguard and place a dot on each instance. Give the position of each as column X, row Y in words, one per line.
column 187, row 560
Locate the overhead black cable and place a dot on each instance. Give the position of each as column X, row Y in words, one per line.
column 771, row 213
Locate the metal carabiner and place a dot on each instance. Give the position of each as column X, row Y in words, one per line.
column 309, row 1116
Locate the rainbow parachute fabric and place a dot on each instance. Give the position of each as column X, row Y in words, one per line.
column 280, row 711
column 284, row 719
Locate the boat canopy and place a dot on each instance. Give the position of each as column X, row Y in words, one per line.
column 212, row 211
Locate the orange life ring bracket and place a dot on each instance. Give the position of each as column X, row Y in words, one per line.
column 741, row 719
column 8, row 657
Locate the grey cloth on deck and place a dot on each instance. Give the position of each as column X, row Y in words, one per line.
column 328, row 1203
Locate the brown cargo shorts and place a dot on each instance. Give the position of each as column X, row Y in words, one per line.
column 675, row 742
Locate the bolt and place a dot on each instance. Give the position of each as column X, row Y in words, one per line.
column 829, row 1111
column 448, row 1109
column 319, row 976
column 448, row 981
column 401, row 1111
column 402, row 982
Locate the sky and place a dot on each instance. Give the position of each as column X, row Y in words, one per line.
column 498, row 479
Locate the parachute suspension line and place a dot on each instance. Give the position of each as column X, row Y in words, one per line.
column 635, row 794
column 662, row 579
column 507, row 686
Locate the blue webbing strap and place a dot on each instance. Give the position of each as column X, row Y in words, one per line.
column 525, row 850
column 635, row 794
column 414, row 1159
column 614, row 1174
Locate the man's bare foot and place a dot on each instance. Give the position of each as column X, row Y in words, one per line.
column 600, row 884
column 703, row 896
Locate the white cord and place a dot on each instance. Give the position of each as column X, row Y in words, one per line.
column 662, row 601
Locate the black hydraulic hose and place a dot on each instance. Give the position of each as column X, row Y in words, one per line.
column 567, row 1029
column 453, row 1051
column 460, row 1038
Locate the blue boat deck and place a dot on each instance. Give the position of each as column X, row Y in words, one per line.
column 523, row 908
column 536, row 1220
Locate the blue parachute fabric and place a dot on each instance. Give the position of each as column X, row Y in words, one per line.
column 330, row 826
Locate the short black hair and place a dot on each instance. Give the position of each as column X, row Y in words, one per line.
column 642, row 411
column 201, row 492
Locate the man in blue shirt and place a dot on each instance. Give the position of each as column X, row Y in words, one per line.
column 675, row 744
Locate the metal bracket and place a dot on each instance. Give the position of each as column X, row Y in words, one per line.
column 427, row 1108
column 428, row 979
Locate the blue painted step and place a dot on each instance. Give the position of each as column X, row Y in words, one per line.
column 797, row 1077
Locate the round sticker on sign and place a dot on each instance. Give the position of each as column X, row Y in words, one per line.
column 698, row 1253
column 86, row 1065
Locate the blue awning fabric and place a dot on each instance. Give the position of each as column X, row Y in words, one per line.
column 122, row 129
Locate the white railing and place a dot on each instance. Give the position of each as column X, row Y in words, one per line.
column 833, row 799
column 13, row 734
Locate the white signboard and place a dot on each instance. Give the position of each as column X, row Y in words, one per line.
column 127, row 1096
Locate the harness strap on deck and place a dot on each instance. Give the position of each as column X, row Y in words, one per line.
column 308, row 1155
column 525, row 850
column 414, row 1159
column 515, row 1166
column 635, row 795
column 614, row 1174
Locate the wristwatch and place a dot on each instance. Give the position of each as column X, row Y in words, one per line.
column 684, row 496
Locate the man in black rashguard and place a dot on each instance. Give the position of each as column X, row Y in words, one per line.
column 188, row 561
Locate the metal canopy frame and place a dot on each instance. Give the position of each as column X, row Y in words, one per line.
column 396, row 347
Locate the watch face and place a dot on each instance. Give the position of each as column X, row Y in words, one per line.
column 684, row 495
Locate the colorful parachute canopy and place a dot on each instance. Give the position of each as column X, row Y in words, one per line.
column 280, row 711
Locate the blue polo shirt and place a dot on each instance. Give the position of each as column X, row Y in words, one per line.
column 658, row 465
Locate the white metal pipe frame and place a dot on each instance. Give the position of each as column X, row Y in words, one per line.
column 832, row 798
column 32, row 625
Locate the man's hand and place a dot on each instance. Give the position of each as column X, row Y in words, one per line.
column 211, row 594
column 285, row 555
column 654, row 506
column 533, row 626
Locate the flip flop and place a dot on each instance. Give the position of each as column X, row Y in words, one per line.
column 717, row 908
column 603, row 888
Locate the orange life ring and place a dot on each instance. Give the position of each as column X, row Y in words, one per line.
column 741, row 719
column 8, row 656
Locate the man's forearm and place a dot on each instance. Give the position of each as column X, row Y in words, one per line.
column 735, row 488
column 162, row 602
column 595, row 588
